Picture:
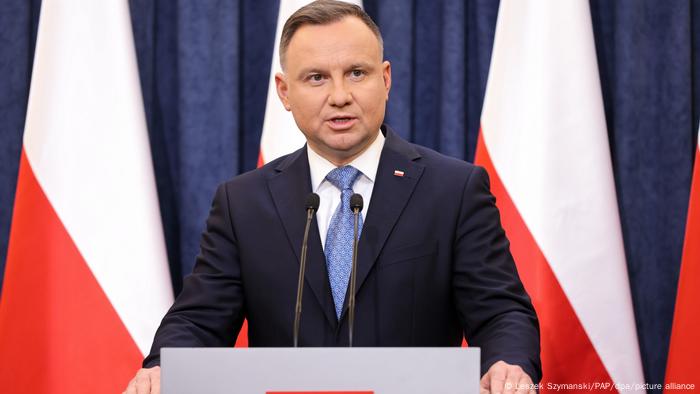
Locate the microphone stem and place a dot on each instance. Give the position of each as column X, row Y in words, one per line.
column 353, row 279
column 302, row 271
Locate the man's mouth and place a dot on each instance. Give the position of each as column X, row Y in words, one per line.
column 341, row 123
column 341, row 120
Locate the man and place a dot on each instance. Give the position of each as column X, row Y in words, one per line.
column 433, row 260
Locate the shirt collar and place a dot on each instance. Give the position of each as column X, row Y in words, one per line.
column 367, row 162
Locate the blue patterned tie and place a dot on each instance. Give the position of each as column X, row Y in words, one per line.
column 340, row 235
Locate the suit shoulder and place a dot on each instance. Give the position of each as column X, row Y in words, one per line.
column 257, row 177
column 443, row 163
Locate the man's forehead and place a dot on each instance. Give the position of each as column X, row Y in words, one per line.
column 348, row 35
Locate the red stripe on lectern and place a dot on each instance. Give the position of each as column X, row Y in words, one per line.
column 58, row 331
column 319, row 392
column 567, row 355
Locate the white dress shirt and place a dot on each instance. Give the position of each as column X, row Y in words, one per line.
column 367, row 163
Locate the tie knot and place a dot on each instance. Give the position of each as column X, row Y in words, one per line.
column 343, row 177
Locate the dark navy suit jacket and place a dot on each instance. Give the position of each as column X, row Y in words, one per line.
column 433, row 265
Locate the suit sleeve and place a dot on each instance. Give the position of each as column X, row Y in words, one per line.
column 494, row 308
column 210, row 309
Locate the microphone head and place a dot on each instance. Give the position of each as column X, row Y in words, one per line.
column 356, row 202
column 312, row 202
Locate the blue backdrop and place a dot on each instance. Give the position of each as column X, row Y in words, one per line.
column 205, row 65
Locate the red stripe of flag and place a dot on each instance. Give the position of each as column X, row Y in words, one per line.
column 684, row 349
column 58, row 331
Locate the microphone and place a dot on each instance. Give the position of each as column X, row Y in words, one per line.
column 311, row 205
column 356, row 204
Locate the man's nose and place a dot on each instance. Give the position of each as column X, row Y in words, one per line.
column 339, row 95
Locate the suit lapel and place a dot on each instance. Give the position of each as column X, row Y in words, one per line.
column 389, row 197
column 288, row 189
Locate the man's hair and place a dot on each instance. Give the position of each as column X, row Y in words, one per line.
column 324, row 12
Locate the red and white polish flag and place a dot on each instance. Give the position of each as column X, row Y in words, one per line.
column 685, row 338
column 545, row 145
column 86, row 280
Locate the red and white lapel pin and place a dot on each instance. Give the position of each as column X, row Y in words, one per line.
column 398, row 173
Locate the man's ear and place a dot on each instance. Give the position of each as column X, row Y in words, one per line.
column 282, row 90
column 386, row 74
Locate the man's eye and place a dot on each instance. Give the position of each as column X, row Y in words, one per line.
column 357, row 73
column 316, row 78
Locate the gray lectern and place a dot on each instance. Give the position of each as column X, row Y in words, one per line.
column 320, row 370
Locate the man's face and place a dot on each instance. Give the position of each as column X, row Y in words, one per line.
column 336, row 86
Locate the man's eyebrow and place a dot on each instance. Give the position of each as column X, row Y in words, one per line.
column 314, row 70
column 363, row 65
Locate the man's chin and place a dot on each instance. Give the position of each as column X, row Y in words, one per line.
column 345, row 145
column 339, row 154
